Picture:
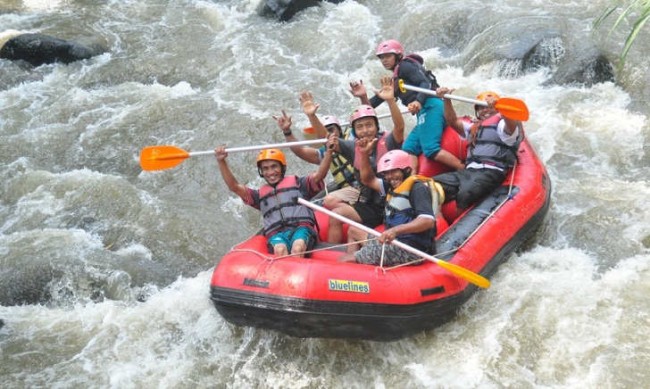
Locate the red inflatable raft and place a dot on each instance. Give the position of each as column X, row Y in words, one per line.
column 321, row 297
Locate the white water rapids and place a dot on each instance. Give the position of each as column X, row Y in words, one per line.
column 105, row 269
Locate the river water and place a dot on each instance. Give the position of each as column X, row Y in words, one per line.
column 104, row 268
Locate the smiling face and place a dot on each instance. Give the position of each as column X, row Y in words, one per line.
column 483, row 113
column 365, row 128
column 333, row 128
column 388, row 60
column 271, row 171
column 394, row 177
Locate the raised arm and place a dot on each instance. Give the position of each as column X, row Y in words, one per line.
column 511, row 125
column 387, row 92
column 358, row 90
column 305, row 153
column 367, row 175
column 449, row 112
column 309, row 107
column 226, row 173
column 323, row 168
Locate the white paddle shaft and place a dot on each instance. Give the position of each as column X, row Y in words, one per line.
column 367, row 229
column 262, row 147
column 446, row 96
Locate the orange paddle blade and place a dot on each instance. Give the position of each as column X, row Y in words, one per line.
column 512, row 108
column 161, row 157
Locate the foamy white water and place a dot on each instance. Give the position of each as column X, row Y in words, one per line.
column 105, row 269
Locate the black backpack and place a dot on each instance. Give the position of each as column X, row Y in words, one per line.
column 418, row 60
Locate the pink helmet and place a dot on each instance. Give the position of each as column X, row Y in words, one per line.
column 394, row 159
column 329, row 119
column 363, row 111
column 390, row 46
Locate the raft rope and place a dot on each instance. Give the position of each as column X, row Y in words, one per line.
column 271, row 258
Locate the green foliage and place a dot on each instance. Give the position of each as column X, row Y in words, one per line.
column 643, row 7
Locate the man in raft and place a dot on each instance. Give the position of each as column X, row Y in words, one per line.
column 343, row 172
column 368, row 205
column 493, row 142
column 289, row 227
column 412, row 202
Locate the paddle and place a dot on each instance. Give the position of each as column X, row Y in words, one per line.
column 165, row 157
column 461, row 272
column 509, row 107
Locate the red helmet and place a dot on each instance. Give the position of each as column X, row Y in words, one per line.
column 390, row 46
column 394, row 159
column 362, row 111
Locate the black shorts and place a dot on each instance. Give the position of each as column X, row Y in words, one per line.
column 371, row 215
column 469, row 185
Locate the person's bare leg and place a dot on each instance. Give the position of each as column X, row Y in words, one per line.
column 355, row 236
column 280, row 250
column 334, row 231
column 347, row 258
column 298, row 248
column 447, row 158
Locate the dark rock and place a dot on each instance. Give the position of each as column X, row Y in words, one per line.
column 521, row 48
column 284, row 10
column 39, row 49
column 587, row 64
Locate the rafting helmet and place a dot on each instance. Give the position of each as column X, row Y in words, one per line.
column 271, row 155
column 363, row 111
column 483, row 96
column 329, row 120
column 395, row 159
column 390, row 46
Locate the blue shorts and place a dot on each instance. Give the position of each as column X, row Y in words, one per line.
column 425, row 137
column 290, row 235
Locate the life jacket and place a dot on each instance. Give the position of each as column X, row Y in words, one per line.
column 342, row 171
column 368, row 195
column 281, row 210
column 486, row 147
column 409, row 96
column 399, row 210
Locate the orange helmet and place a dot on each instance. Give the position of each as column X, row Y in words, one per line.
column 483, row 96
column 271, row 154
